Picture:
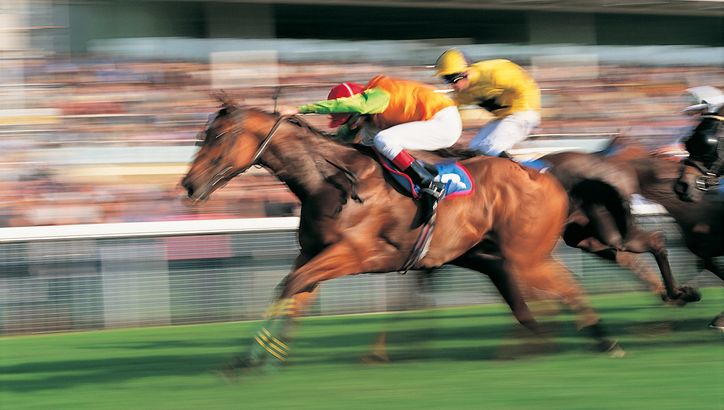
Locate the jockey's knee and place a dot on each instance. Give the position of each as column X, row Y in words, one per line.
column 382, row 144
column 448, row 139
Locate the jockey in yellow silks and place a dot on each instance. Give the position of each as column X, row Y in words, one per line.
column 499, row 86
column 394, row 115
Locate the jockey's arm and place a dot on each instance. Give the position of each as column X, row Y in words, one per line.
column 346, row 134
column 372, row 101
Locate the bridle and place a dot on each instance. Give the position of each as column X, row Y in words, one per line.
column 224, row 174
column 265, row 143
column 709, row 177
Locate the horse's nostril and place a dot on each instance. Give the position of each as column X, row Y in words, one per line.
column 189, row 188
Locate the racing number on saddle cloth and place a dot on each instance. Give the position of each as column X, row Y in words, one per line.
column 454, row 175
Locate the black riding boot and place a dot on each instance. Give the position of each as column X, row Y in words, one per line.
column 431, row 191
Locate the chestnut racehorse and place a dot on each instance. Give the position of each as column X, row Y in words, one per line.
column 354, row 221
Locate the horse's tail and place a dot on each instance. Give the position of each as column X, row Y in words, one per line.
column 592, row 193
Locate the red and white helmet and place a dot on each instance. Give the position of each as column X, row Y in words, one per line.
column 343, row 90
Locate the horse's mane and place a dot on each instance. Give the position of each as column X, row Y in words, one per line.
column 457, row 152
column 364, row 150
column 293, row 119
column 627, row 147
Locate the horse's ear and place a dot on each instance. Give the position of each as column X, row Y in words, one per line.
column 223, row 98
column 623, row 137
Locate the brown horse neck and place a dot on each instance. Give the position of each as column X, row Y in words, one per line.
column 656, row 180
column 303, row 158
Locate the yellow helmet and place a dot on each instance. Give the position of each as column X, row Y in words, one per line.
column 452, row 61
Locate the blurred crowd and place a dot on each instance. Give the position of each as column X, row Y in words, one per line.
column 108, row 141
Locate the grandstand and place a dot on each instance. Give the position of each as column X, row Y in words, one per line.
column 100, row 102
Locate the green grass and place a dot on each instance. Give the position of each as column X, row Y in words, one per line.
column 461, row 358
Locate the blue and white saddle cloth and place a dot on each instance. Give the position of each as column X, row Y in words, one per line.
column 454, row 175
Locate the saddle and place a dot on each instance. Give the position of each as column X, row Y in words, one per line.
column 454, row 176
column 457, row 182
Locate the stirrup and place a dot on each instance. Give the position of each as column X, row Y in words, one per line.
column 436, row 189
column 437, row 192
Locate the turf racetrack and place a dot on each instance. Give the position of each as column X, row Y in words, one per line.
column 461, row 358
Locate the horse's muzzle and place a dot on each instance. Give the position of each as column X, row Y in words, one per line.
column 190, row 189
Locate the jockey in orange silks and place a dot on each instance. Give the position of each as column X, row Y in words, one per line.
column 393, row 116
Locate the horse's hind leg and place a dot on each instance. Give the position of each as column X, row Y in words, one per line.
column 551, row 277
column 639, row 266
column 502, row 279
column 378, row 352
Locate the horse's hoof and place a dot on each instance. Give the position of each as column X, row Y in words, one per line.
column 375, row 358
column 238, row 363
column 689, row 294
column 717, row 323
column 684, row 295
column 230, row 371
column 616, row 351
column 611, row 348
column 231, row 376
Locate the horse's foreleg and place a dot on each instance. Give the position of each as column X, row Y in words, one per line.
column 272, row 339
column 642, row 269
column 655, row 243
column 295, row 292
column 340, row 259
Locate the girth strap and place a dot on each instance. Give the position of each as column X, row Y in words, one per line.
column 422, row 244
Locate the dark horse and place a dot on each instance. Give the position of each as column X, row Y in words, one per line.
column 700, row 183
column 353, row 221
column 701, row 172
column 601, row 184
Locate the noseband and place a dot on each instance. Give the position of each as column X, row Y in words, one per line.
column 224, row 175
column 704, row 182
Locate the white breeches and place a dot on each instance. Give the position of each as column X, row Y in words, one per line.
column 500, row 135
column 440, row 131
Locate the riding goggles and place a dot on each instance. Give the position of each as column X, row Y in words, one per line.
column 453, row 78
